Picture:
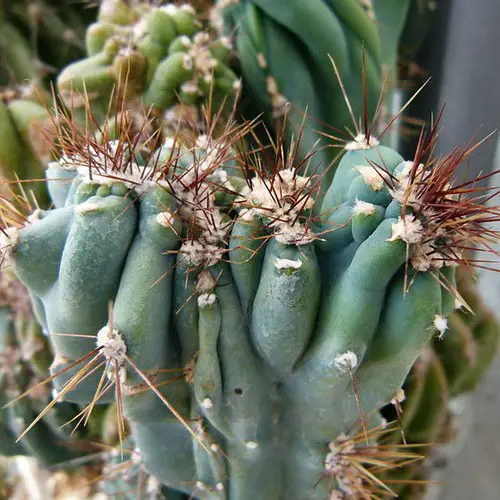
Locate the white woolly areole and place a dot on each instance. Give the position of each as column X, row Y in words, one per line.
column 86, row 207
column 284, row 218
column 140, row 29
column 399, row 397
column 346, row 361
column 9, row 238
column 335, row 462
column 194, row 191
column 421, row 260
column 278, row 100
column 196, row 253
column 34, row 217
column 170, row 9
column 67, row 162
column 282, row 264
column 165, row 219
column 440, row 324
column 199, row 55
column 405, row 171
column 261, row 60
column 219, row 487
column 190, row 87
column 206, row 300
column 293, row 234
column 136, row 177
column 360, row 143
column 187, row 8
column 153, row 486
column 205, row 282
column 226, row 41
column 430, row 249
column 200, row 485
column 55, row 395
column 363, row 208
column 405, row 190
column 215, row 154
column 103, row 171
column 408, row 229
column 112, row 347
column 372, row 176
column 336, row 495
column 207, row 403
column 251, row 445
column 202, row 142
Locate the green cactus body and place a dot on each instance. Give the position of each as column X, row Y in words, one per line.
column 242, row 334
column 143, row 54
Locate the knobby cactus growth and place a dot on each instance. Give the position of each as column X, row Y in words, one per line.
column 154, row 56
column 243, row 328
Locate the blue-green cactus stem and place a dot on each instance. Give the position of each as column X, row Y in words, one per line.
column 406, row 325
column 449, row 283
column 185, row 309
column 380, row 158
column 42, row 442
column 208, row 376
column 336, row 227
column 243, row 378
column 247, row 241
column 37, row 254
column 286, row 304
column 347, row 322
column 365, row 220
column 98, row 241
column 59, row 181
column 146, row 278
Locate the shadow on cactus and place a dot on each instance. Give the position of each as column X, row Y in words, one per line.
column 242, row 327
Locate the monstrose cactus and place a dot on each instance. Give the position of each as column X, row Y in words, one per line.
column 241, row 328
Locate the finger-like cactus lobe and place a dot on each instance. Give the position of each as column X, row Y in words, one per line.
column 241, row 326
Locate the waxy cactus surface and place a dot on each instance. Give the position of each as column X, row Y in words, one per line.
column 240, row 327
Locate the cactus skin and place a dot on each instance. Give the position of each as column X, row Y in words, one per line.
column 153, row 55
column 450, row 367
column 270, row 38
column 265, row 410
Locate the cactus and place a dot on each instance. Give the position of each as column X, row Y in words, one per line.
column 25, row 124
column 205, row 284
column 451, row 366
column 356, row 37
column 242, row 314
column 159, row 56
